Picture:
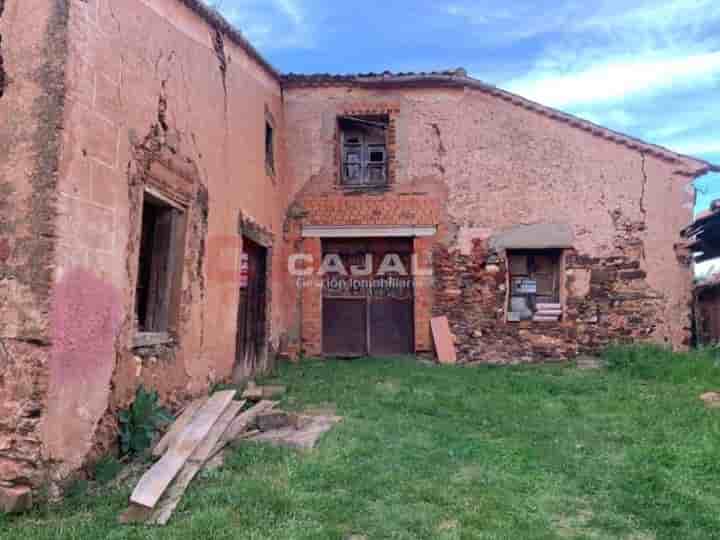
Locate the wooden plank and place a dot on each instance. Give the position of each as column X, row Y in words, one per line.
column 551, row 318
column 178, row 426
column 240, row 424
column 171, row 498
column 155, row 481
column 542, row 307
column 444, row 340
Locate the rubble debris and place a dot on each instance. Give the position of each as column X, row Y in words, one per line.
column 14, row 500
column 304, row 437
column 711, row 399
column 444, row 340
column 254, row 392
column 277, row 420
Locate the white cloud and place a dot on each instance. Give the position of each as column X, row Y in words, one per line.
column 271, row 24
column 293, row 10
column 695, row 146
column 613, row 117
column 615, row 79
column 653, row 16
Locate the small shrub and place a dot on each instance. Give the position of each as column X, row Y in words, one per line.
column 141, row 421
column 107, row 469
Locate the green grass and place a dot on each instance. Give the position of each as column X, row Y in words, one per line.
column 453, row 453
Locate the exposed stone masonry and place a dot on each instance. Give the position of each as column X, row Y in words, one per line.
column 607, row 301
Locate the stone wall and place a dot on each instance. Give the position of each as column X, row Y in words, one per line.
column 606, row 300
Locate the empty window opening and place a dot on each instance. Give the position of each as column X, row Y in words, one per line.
column 364, row 150
column 159, row 250
column 534, row 285
column 269, row 147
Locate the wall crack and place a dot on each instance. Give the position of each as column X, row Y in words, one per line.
column 643, row 210
column 219, row 45
column 3, row 74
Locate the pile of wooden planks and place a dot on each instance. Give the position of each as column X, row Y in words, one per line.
column 199, row 434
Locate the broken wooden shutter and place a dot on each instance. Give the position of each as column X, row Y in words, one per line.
column 159, row 266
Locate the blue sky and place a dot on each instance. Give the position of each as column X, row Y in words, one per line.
column 646, row 68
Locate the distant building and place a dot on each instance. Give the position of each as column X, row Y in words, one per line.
column 702, row 242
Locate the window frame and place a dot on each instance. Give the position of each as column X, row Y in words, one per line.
column 162, row 300
column 366, row 146
column 532, row 273
column 269, row 146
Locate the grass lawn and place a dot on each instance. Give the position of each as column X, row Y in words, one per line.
column 452, row 453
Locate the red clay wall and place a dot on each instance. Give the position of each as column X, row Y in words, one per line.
column 155, row 97
column 493, row 165
column 32, row 59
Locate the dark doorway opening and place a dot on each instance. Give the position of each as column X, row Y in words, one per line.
column 252, row 310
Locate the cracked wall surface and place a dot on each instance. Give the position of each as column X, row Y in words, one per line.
column 149, row 96
column 34, row 49
column 493, row 165
column 102, row 101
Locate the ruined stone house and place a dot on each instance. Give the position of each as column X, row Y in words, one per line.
column 701, row 240
column 162, row 186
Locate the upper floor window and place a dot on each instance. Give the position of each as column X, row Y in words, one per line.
column 364, row 150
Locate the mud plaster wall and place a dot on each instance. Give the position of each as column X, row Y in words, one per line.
column 496, row 165
column 31, row 107
column 154, row 94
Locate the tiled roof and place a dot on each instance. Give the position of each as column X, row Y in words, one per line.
column 320, row 79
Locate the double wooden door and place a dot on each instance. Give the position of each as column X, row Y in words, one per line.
column 368, row 309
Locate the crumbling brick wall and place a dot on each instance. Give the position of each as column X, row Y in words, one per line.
column 495, row 164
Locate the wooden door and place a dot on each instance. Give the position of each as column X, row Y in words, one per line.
column 251, row 325
column 369, row 314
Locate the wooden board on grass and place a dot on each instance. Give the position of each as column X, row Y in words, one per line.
column 171, row 498
column 155, row 481
column 444, row 340
column 178, row 426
